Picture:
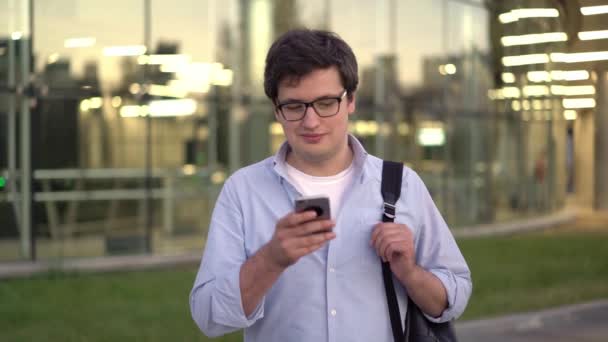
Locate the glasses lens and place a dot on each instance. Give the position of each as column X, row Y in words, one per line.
column 327, row 107
column 293, row 111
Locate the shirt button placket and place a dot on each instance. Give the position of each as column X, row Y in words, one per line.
column 332, row 295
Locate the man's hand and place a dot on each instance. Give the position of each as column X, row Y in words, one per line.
column 394, row 243
column 295, row 236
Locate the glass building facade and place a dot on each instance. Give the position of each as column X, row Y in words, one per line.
column 551, row 59
column 120, row 120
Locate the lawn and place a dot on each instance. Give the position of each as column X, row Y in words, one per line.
column 534, row 271
column 511, row 274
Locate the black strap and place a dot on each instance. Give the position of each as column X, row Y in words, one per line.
column 392, row 173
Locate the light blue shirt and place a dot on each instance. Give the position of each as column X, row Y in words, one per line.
column 337, row 293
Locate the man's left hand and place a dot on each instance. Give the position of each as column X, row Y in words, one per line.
column 394, row 243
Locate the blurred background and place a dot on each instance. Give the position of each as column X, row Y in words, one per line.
column 121, row 119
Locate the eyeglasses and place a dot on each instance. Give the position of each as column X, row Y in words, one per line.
column 324, row 107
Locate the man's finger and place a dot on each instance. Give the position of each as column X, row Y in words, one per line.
column 315, row 226
column 375, row 232
column 391, row 246
column 294, row 219
column 314, row 239
column 382, row 237
column 311, row 248
column 380, row 228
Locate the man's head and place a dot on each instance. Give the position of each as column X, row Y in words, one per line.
column 311, row 78
column 299, row 52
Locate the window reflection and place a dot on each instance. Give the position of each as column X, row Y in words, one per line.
column 153, row 113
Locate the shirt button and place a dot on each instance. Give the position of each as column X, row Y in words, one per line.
column 333, row 312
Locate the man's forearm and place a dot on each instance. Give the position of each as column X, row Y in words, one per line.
column 426, row 290
column 255, row 278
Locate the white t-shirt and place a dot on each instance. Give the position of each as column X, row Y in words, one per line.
column 330, row 186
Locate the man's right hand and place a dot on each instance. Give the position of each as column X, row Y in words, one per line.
column 295, row 236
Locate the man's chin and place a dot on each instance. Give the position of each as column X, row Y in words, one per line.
column 314, row 154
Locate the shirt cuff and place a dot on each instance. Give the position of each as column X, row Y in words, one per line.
column 227, row 305
column 448, row 281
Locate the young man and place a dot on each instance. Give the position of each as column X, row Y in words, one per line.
column 284, row 276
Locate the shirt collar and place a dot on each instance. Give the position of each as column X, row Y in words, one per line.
column 359, row 159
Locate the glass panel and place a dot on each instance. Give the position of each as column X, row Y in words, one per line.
column 536, row 182
column 137, row 121
column 202, row 62
column 507, row 167
column 14, row 58
column 421, row 131
column 89, row 164
column 376, row 51
column 466, row 75
column 311, row 14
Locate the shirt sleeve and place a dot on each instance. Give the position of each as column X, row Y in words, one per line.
column 215, row 299
column 436, row 249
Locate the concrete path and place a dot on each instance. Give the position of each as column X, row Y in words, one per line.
column 576, row 323
column 19, row 269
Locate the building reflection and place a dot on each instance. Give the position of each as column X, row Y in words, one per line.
column 493, row 103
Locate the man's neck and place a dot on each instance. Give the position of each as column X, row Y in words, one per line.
column 322, row 168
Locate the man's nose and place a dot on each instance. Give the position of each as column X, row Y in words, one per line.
column 311, row 119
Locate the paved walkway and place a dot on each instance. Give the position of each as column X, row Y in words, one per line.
column 19, row 269
column 576, row 323
column 564, row 216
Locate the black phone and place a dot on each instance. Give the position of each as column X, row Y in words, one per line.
column 320, row 204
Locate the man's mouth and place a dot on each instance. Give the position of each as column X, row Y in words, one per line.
column 312, row 138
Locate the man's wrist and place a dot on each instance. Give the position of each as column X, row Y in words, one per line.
column 410, row 277
column 267, row 262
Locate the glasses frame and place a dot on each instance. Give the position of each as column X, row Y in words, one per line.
column 279, row 106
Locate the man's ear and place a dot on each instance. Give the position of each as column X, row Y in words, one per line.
column 351, row 104
column 277, row 114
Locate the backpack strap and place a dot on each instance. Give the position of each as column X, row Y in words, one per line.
column 392, row 174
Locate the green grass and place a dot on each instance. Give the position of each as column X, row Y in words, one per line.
column 511, row 274
column 535, row 271
column 136, row 306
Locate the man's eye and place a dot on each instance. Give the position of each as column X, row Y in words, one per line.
column 293, row 106
column 325, row 103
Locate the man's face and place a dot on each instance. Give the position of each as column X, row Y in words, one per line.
column 315, row 139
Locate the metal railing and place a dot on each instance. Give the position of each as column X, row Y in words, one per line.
column 167, row 192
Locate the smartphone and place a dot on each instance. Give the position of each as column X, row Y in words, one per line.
column 320, row 204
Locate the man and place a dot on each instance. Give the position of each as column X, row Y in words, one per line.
column 284, row 276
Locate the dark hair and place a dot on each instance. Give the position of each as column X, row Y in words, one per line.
column 299, row 52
